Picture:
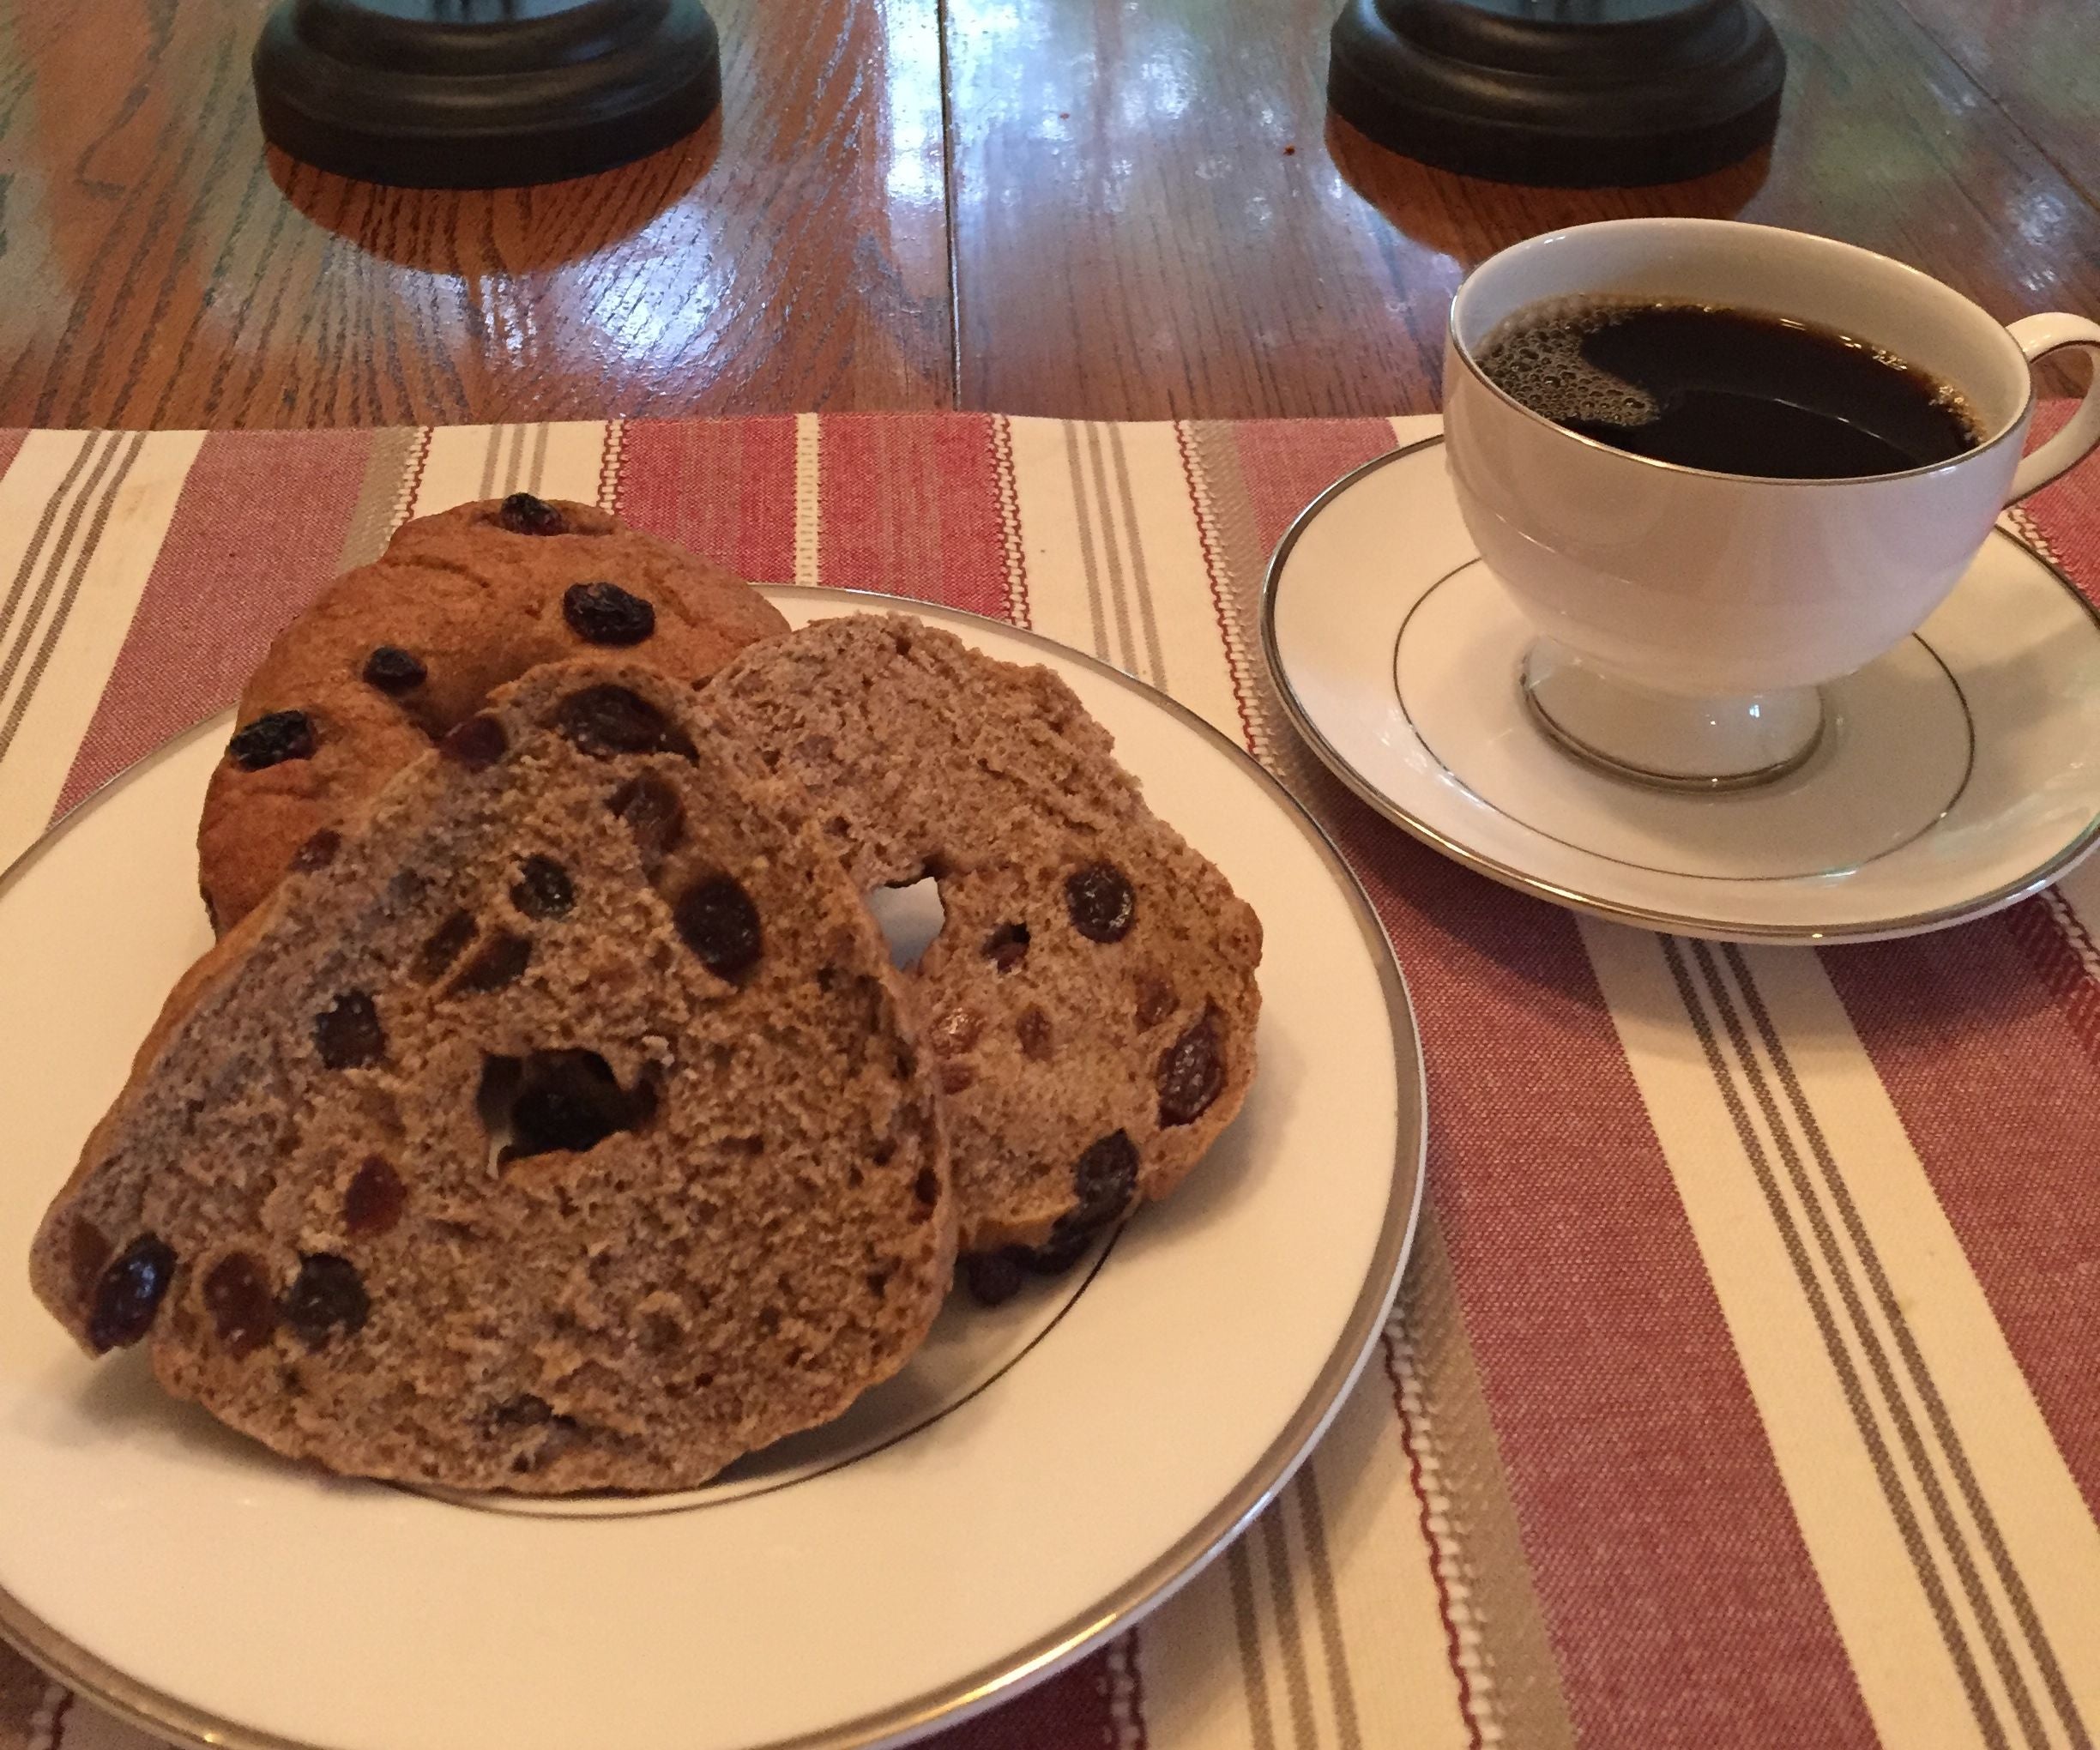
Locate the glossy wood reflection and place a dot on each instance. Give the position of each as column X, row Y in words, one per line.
column 2040, row 61
column 1116, row 208
column 1154, row 216
column 157, row 268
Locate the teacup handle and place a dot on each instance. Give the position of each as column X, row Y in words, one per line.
column 2038, row 336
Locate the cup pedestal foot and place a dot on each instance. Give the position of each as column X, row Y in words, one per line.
column 1671, row 740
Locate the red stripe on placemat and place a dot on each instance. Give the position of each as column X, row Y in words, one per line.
column 2002, row 1100
column 911, row 507
column 722, row 487
column 228, row 576
column 2066, row 512
column 10, row 443
column 1672, row 1575
column 1289, row 463
column 1069, row 1711
column 2062, row 953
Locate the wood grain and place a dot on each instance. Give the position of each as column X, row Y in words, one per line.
column 1115, row 207
column 2039, row 61
column 157, row 268
column 1154, row 216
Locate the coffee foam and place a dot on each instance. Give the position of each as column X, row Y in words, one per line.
column 1536, row 357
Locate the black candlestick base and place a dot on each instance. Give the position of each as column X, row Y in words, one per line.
column 483, row 93
column 1570, row 93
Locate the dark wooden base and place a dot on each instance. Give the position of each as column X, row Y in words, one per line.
column 483, row 93
column 1609, row 93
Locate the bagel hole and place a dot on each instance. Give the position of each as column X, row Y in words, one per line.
column 910, row 916
column 551, row 1101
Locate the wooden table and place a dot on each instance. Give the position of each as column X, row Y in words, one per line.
column 1121, row 209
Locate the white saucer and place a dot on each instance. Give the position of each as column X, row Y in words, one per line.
column 1956, row 774
column 1037, row 1477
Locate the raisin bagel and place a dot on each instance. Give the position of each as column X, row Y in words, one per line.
column 565, row 1128
column 391, row 656
column 1091, row 1000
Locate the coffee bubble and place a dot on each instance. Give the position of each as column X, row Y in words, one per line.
column 1539, row 361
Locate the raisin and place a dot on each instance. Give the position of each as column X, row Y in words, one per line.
column 1104, row 1178
column 543, row 889
column 476, row 743
column 347, row 1034
column 128, row 1294
column 603, row 720
column 717, row 921
column 1066, row 1245
column 994, row 1277
column 327, row 1295
column 522, row 513
column 1156, row 1001
column 1101, row 902
column 1191, row 1070
column 652, row 813
column 955, row 1032
column 926, row 1186
column 956, row 1079
column 501, row 960
column 604, row 614
column 526, row 1410
column 1007, row 946
column 318, row 852
column 237, row 1295
column 1104, row 1181
column 375, row 1199
column 272, row 739
column 1033, row 1027
column 87, row 1251
column 394, row 671
column 443, row 945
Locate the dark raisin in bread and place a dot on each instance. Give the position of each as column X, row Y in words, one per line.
column 391, row 656
column 1090, row 1001
column 561, row 1129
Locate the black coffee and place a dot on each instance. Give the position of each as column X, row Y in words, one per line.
column 1729, row 390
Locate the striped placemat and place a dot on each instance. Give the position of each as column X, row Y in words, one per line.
column 1744, row 1390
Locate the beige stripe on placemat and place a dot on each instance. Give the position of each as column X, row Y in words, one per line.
column 611, row 448
column 465, row 462
column 1338, row 1643
column 808, row 498
column 1112, row 558
column 491, row 452
column 1948, row 1536
column 82, row 521
column 568, row 460
column 1011, row 534
column 382, row 495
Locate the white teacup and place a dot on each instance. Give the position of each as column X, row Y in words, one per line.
column 1688, row 616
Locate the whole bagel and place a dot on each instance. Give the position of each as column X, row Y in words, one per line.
column 392, row 656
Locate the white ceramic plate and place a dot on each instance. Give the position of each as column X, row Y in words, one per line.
column 1955, row 776
column 1033, row 1482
